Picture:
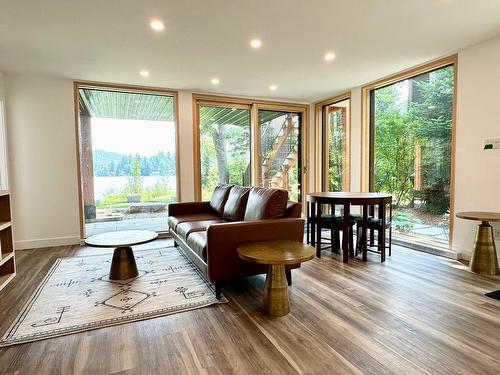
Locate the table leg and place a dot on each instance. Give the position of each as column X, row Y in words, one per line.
column 382, row 232
column 345, row 233
column 364, row 240
column 318, row 230
column 484, row 259
column 313, row 224
column 276, row 291
column 123, row 265
column 308, row 223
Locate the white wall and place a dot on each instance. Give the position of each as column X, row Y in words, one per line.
column 186, row 145
column 42, row 161
column 478, row 117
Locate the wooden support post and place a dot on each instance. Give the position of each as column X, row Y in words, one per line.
column 87, row 166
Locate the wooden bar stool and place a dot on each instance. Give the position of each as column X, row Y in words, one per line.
column 379, row 224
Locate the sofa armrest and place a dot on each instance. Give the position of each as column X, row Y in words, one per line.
column 223, row 239
column 188, row 208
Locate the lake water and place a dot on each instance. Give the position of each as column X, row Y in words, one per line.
column 102, row 185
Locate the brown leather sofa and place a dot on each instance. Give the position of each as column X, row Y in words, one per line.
column 210, row 232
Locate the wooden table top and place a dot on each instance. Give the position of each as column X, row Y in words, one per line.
column 121, row 238
column 276, row 252
column 348, row 195
column 479, row 215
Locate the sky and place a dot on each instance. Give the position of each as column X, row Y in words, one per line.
column 145, row 138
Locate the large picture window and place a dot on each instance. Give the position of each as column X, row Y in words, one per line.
column 411, row 149
column 128, row 158
column 250, row 143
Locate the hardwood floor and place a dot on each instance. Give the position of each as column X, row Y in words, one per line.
column 415, row 314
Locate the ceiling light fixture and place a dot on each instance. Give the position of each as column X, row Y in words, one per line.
column 273, row 87
column 144, row 73
column 255, row 43
column 215, row 81
column 329, row 56
column 157, row 25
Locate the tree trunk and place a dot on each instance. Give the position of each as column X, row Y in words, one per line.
column 219, row 138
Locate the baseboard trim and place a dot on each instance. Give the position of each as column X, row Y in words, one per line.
column 46, row 242
column 467, row 256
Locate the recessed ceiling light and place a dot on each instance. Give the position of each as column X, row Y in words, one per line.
column 215, row 81
column 255, row 43
column 273, row 87
column 329, row 56
column 157, row 25
column 144, row 73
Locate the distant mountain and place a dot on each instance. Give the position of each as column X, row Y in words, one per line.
column 108, row 163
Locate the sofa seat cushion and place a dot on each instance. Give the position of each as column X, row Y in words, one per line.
column 266, row 204
column 236, row 203
column 219, row 198
column 197, row 241
column 173, row 221
column 184, row 229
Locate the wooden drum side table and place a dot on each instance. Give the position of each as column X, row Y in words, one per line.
column 484, row 258
column 276, row 254
column 123, row 265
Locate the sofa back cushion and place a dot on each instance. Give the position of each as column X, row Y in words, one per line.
column 266, row 204
column 236, row 203
column 219, row 198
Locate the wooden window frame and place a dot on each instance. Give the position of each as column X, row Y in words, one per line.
column 120, row 88
column 367, row 112
column 254, row 105
column 320, row 165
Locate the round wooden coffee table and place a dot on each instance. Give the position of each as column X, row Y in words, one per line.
column 276, row 254
column 484, row 258
column 123, row 265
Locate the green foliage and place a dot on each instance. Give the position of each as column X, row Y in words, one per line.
column 225, row 148
column 431, row 118
column 159, row 192
column 134, row 183
column 394, row 151
column 438, row 205
column 423, row 121
column 336, row 139
column 111, row 198
column 403, row 221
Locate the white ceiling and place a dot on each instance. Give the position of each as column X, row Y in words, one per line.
column 110, row 40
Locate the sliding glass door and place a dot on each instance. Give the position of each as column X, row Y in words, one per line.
column 411, row 148
column 128, row 158
column 248, row 143
column 280, row 151
column 224, row 146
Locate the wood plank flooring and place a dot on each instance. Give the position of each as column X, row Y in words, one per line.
column 415, row 314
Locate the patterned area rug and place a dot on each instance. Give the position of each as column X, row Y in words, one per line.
column 77, row 295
